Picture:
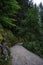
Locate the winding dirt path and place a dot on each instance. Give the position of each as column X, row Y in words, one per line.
column 21, row 56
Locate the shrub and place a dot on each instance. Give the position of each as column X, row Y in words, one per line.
column 2, row 61
column 35, row 47
column 11, row 39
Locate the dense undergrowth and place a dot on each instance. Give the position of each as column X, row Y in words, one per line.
column 35, row 47
column 11, row 40
column 2, row 60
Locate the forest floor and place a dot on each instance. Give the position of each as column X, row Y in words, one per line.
column 21, row 56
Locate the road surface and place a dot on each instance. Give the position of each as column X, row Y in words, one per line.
column 21, row 56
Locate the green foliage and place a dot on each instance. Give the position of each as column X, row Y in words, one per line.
column 29, row 24
column 11, row 39
column 41, row 15
column 35, row 47
column 22, row 11
column 8, row 8
column 7, row 22
column 2, row 61
column 1, row 29
column 32, row 19
column 22, row 18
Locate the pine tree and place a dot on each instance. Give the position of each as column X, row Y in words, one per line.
column 41, row 14
column 29, row 26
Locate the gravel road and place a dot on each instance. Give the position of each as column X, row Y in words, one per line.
column 21, row 56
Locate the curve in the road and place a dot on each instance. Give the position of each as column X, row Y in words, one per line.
column 21, row 56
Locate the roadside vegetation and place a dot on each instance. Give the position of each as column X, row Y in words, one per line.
column 21, row 21
column 35, row 47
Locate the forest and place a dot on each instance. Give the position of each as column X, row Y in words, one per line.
column 21, row 21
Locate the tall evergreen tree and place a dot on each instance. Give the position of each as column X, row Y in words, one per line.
column 29, row 26
column 41, row 13
column 21, row 15
column 22, row 11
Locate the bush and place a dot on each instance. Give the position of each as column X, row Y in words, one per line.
column 11, row 39
column 2, row 61
column 35, row 47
